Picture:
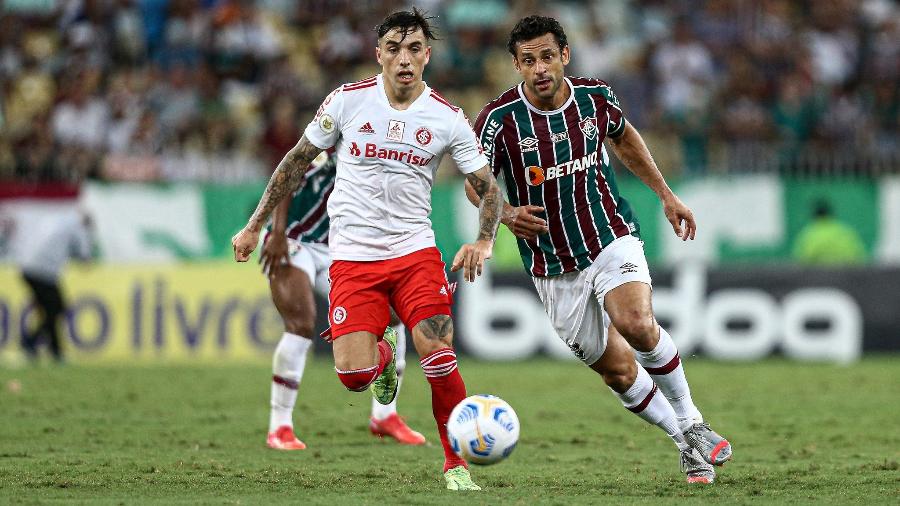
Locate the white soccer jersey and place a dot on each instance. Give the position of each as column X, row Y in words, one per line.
column 386, row 164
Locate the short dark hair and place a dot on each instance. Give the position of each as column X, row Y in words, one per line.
column 407, row 22
column 533, row 27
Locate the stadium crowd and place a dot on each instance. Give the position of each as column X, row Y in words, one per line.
column 218, row 90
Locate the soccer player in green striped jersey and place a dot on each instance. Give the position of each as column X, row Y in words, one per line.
column 295, row 258
column 579, row 238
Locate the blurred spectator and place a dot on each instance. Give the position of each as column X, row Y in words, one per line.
column 128, row 37
column 684, row 68
column 175, row 98
column 601, row 54
column 833, row 41
column 242, row 39
column 684, row 71
column 35, row 155
column 884, row 104
column 845, row 118
column 81, row 119
column 466, row 58
column 795, row 115
column 282, row 131
column 186, row 34
column 794, row 111
column 10, row 47
column 744, row 120
column 718, row 26
column 827, row 241
column 31, row 92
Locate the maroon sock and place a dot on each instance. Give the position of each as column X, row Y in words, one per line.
column 447, row 390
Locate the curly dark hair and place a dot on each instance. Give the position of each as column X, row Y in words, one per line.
column 407, row 22
column 534, row 26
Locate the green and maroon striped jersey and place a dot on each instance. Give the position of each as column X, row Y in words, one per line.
column 556, row 160
column 307, row 219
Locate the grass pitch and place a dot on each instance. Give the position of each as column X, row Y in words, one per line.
column 802, row 434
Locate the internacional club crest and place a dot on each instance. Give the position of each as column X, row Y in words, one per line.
column 338, row 315
column 423, row 136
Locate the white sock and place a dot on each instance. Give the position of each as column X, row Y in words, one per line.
column 664, row 366
column 287, row 371
column 641, row 399
column 382, row 411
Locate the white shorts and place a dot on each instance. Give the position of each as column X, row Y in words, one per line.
column 574, row 300
column 313, row 259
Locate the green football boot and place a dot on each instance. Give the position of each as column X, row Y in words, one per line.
column 384, row 388
column 459, row 478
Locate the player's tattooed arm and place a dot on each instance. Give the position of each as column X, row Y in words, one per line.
column 471, row 257
column 490, row 208
column 475, row 199
column 523, row 221
column 284, row 180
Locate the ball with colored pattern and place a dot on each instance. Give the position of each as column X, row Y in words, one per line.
column 483, row 429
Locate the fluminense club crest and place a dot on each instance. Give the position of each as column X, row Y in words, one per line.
column 589, row 127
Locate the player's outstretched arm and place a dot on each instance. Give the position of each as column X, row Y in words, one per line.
column 522, row 221
column 471, row 257
column 283, row 181
column 631, row 149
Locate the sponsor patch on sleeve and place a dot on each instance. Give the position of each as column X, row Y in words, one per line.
column 326, row 123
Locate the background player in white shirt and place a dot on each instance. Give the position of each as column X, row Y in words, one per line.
column 390, row 133
column 43, row 250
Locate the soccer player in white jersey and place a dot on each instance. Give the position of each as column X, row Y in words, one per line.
column 295, row 259
column 579, row 238
column 390, row 132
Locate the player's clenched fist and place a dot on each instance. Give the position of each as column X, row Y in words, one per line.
column 471, row 257
column 244, row 242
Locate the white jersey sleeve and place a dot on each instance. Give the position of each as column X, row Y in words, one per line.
column 325, row 128
column 464, row 147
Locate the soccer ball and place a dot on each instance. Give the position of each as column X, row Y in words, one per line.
column 483, row 429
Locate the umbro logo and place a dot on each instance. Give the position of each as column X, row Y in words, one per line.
column 366, row 129
column 528, row 144
column 628, row 267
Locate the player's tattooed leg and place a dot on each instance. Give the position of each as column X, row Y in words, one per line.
column 438, row 327
column 432, row 334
